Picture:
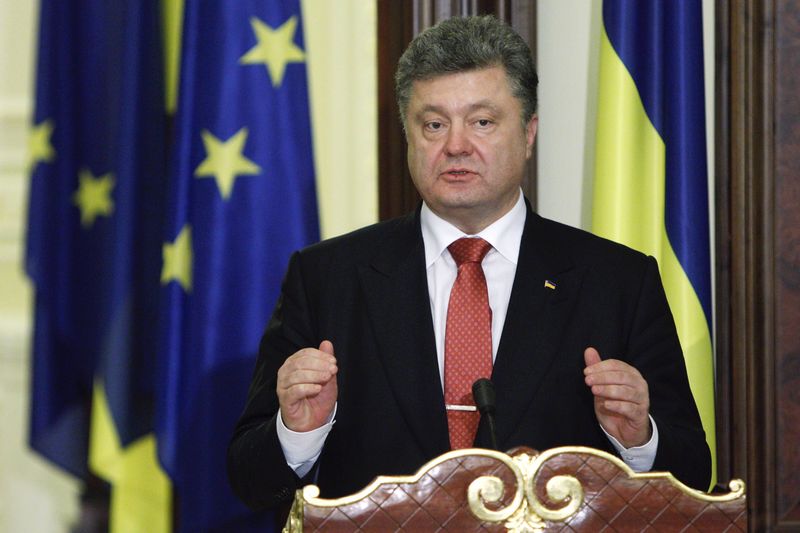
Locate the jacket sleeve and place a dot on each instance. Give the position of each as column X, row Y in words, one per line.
column 656, row 352
column 257, row 468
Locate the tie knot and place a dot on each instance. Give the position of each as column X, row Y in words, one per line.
column 469, row 250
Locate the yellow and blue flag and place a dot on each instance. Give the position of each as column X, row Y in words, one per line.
column 651, row 178
column 241, row 199
column 98, row 165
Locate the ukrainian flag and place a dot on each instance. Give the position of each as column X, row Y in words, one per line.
column 651, row 181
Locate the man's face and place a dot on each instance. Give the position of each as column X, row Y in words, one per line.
column 466, row 147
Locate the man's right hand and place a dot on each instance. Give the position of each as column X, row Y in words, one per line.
column 307, row 388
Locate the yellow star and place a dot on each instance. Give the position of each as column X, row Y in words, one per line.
column 40, row 148
column 224, row 161
column 275, row 48
column 178, row 260
column 93, row 196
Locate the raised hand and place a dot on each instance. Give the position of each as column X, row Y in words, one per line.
column 307, row 387
column 621, row 398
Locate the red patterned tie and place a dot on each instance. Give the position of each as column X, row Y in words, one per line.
column 467, row 341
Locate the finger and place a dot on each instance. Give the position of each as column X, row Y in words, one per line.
column 628, row 410
column 591, row 356
column 305, row 376
column 320, row 354
column 610, row 365
column 618, row 392
column 297, row 393
column 308, row 358
column 326, row 346
column 631, row 378
column 319, row 364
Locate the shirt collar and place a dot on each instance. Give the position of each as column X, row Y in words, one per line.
column 504, row 234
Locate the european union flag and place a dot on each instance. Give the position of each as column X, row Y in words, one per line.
column 241, row 199
column 95, row 215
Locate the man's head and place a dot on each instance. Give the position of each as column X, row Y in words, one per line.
column 468, row 108
column 468, row 43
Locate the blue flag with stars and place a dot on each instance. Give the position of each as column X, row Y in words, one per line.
column 241, row 199
column 97, row 179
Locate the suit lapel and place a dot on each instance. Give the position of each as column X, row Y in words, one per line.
column 396, row 290
column 537, row 314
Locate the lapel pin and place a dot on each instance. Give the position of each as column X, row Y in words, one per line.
column 549, row 284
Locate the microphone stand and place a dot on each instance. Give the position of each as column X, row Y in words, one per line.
column 483, row 393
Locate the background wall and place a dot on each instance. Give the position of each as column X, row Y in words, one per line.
column 341, row 41
column 34, row 496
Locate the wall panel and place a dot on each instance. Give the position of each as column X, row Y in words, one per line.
column 758, row 255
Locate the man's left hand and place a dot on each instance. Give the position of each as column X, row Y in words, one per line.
column 621, row 398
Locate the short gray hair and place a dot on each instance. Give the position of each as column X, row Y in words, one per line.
column 468, row 43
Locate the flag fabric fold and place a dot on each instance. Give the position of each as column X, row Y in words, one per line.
column 651, row 175
column 95, row 220
column 241, row 199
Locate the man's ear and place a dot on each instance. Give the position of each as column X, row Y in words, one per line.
column 530, row 133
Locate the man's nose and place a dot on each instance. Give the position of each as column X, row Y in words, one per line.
column 458, row 141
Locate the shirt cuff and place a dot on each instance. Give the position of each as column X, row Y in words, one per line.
column 302, row 449
column 639, row 458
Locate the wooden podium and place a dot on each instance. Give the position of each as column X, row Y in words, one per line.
column 563, row 489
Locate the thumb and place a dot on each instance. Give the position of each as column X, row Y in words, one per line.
column 326, row 347
column 591, row 356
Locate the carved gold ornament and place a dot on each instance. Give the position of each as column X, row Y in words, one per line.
column 485, row 495
column 525, row 515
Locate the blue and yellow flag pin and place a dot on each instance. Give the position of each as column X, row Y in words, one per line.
column 549, row 284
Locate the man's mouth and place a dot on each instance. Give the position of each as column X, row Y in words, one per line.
column 458, row 171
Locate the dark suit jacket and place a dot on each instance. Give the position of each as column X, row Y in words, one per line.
column 367, row 293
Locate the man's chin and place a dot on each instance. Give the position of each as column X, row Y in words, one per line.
column 460, row 209
column 461, row 205
column 460, row 196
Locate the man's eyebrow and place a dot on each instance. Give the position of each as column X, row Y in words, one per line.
column 430, row 108
column 477, row 106
column 485, row 104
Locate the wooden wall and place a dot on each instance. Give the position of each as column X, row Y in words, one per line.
column 758, row 255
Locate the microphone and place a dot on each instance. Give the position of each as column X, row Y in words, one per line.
column 483, row 393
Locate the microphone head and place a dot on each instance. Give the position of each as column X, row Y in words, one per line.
column 483, row 393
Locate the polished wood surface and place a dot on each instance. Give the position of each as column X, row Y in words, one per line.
column 786, row 217
column 563, row 489
column 758, row 255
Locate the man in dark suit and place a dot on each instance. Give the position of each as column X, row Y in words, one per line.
column 354, row 373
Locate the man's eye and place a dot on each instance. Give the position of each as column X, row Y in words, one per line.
column 484, row 122
column 433, row 126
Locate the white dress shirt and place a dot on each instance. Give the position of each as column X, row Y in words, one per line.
column 499, row 266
